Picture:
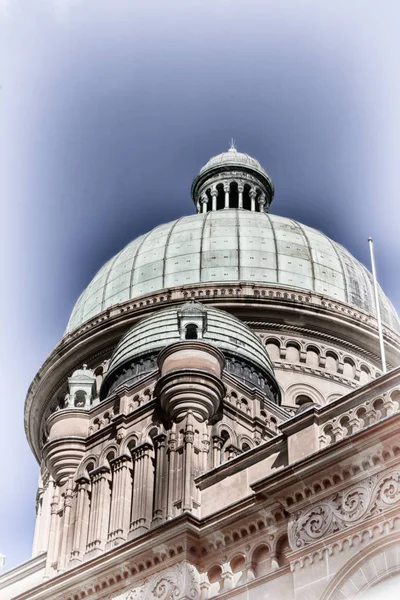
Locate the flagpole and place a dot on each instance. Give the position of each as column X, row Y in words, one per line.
column 377, row 306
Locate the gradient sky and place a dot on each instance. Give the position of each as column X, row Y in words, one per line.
column 108, row 109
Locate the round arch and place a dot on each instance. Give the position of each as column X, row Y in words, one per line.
column 369, row 567
column 302, row 389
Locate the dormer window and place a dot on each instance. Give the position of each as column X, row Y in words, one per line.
column 80, row 399
column 191, row 332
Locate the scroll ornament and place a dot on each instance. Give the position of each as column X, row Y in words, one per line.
column 344, row 509
column 180, row 582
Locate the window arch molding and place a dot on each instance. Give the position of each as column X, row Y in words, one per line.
column 82, row 469
column 365, row 556
column 302, row 389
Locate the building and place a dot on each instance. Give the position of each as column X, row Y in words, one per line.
column 214, row 422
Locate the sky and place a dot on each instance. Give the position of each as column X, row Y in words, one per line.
column 109, row 109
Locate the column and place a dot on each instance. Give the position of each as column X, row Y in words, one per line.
column 217, row 445
column 240, row 190
column 66, row 524
column 226, row 190
column 204, row 201
column 142, row 505
column 205, row 449
column 39, row 513
column 99, row 511
column 226, row 577
column 253, row 194
column 232, row 452
column 248, row 568
column 261, row 202
column 214, row 195
column 171, row 472
column 81, row 521
column 120, row 500
column 42, row 526
column 187, row 482
column 52, row 551
column 160, row 508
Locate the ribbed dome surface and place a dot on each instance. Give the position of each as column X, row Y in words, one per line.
column 230, row 246
column 161, row 329
column 233, row 158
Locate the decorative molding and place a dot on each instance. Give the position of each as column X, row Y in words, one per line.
column 180, row 582
column 344, row 509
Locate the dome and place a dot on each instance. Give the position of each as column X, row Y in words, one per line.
column 222, row 173
column 231, row 246
column 222, row 330
column 233, row 158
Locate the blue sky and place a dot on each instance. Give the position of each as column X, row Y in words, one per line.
column 109, row 109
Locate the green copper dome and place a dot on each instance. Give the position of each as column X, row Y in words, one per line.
column 231, row 245
column 246, row 357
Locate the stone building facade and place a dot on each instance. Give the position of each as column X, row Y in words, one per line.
column 214, row 422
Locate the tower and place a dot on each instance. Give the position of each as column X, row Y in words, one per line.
column 230, row 433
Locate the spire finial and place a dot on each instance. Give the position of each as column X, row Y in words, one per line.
column 233, row 145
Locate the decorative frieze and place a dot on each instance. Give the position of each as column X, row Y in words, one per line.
column 180, row 582
column 344, row 509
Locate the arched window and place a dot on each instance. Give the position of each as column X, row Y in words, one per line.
column 261, row 560
column 365, row 374
column 191, row 332
column 273, row 349
column 312, row 356
column 246, row 197
column 234, row 195
column 220, row 197
column 225, row 443
column 348, row 368
column 215, row 579
column 80, row 399
column 303, row 399
column 292, row 352
column 331, row 362
column 282, row 548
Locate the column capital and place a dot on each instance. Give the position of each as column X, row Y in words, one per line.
column 139, row 451
column 189, row 437
column 172, row 442
column 99, row 473
column 54, row 502
column 117, row 462
column 160, row 439
column 261, row 202
column 82, row 481
column 205, row 445
column 217, row 441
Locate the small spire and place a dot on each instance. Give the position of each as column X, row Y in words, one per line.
column 233, row 145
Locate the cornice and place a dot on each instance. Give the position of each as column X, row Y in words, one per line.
column 242, row 462
column 22, row 571
column 274, row 484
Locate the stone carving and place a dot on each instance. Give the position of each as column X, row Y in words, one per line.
column 180, row 582
column 358, row 418
column 344, row 509
column 250, row 375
